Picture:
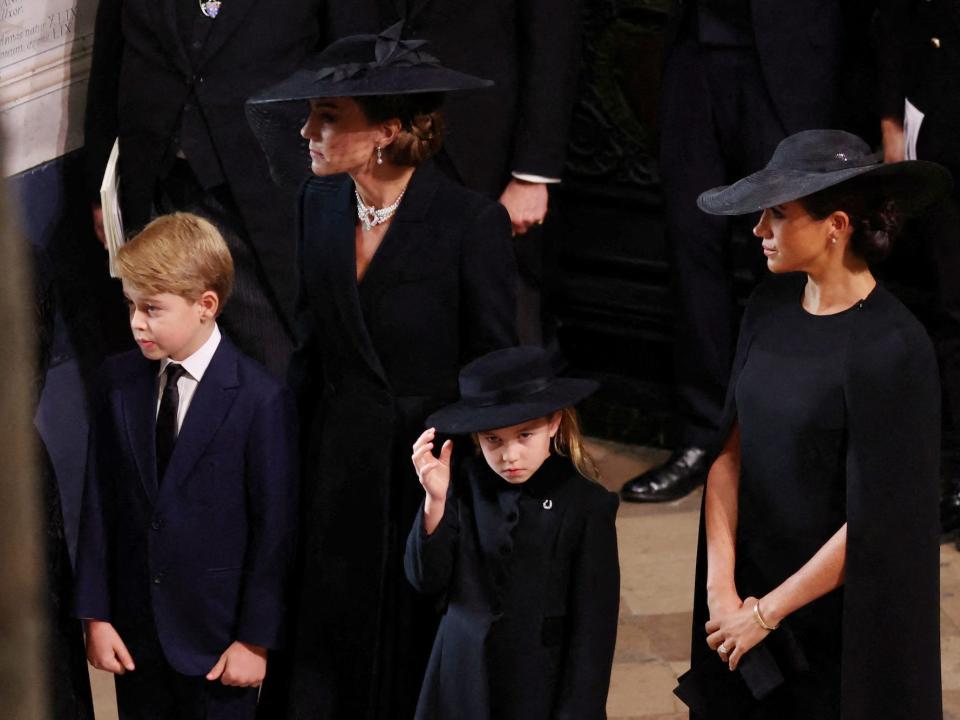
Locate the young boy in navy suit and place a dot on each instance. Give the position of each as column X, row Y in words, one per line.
column 189, row 508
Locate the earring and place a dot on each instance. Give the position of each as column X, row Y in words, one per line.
column 833, row 240
column 379, row 155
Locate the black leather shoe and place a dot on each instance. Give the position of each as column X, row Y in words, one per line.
column 683, row 471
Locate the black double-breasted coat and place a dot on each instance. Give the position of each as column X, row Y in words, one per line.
column 532, row 583
column 374, row 359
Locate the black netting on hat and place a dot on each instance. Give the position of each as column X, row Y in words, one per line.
column 277, row 127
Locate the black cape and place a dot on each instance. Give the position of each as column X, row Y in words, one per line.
column 870, row 649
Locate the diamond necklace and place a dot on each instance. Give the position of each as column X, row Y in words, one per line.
column 371, row 216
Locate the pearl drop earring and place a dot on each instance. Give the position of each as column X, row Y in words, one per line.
column 379, row 155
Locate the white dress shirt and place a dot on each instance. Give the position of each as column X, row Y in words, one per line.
column 195, row 366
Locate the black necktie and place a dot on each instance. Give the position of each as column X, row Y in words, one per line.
column 167, row 418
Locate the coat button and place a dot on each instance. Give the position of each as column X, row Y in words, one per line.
column 935, row 41
column 158, row 578
column 156, row 524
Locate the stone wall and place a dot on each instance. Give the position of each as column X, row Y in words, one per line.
column 45, row 52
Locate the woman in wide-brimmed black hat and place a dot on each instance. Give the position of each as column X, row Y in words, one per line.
column 522, row 545
column 817, row 570
column 404, row 277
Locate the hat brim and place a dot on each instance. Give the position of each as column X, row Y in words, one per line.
column 466, row 417
column 304, row 84
column 914, row 184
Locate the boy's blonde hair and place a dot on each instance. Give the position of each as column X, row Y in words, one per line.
column 181, row 254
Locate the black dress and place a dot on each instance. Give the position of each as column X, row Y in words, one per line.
column 839, row 422
column 532, row 582
column 374, row 360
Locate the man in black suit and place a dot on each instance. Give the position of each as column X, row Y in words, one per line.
column 170, row 78
column 739, row 76
column 508, row 142
column 920, row 65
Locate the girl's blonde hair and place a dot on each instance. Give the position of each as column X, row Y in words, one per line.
column 569, row 442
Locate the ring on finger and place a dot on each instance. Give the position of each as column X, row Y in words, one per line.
column 722, row 650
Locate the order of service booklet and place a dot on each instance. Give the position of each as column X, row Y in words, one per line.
column 110, row 204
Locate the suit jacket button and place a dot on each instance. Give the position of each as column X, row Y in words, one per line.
column 158, row 578
column 156, row 524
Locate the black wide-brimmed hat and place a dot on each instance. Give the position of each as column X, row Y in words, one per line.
column 508, row 387
column 383, row 64
column 812, row 160
column 354, row 66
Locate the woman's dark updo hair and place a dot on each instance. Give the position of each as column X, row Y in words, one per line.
column 421, row 133
column 874, row 217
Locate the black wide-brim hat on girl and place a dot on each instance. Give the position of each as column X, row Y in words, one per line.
column 508, row 387
column 813, row 160
column 354, row 66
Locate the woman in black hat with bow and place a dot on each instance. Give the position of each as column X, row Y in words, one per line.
column 817, row 572
column 404, row 278
column 522, row 545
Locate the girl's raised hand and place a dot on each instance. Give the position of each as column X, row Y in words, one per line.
column 434, row 472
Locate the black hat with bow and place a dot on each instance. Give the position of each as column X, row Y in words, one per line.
column 358, row 65
column 381, row 64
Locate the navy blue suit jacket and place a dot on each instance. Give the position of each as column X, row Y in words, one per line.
column 208, row 548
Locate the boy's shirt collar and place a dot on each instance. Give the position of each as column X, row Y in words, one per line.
column 196, row 365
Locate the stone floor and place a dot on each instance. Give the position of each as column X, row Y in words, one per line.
column 657, row 552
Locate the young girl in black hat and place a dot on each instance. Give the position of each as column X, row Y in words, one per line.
column 522, row 545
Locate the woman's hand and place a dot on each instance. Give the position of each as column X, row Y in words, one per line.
column 434, row 472
column 736, row 632
column 720, row 604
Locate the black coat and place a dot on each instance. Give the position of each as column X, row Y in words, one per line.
column 920, row 60
column 373, row 361
column 867, row 455
column 143, row 79
column 799, row 48
column 530, row 49
column 532, row 582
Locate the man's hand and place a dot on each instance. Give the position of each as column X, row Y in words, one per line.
column 526, row 202
column 105, row 649
column 98, row 225
column 893, row 140
column 241, row 665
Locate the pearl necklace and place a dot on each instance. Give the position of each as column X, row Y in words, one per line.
column 371, row 216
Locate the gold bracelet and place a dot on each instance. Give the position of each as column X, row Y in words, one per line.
column 759, row 618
